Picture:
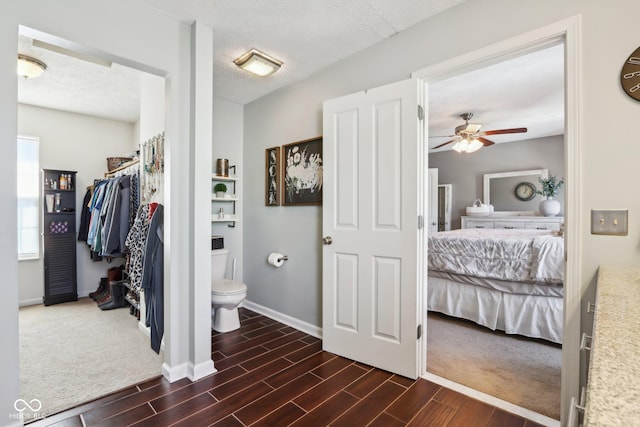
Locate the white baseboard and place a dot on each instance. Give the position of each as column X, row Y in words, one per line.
column 175, row 373
column 27, row 302
column 303, row 326
column 493, row 401
column 201, row 370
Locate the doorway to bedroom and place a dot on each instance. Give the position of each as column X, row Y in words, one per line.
column 471, row 308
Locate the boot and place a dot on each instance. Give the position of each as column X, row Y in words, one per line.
column 109, row 296
column 101, row 287
column 105, row 295
column 115, row 273
column 117, row 297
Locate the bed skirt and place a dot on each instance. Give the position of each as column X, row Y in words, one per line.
column 529, row 315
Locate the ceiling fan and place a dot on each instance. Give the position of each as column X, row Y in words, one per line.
column 468, row 137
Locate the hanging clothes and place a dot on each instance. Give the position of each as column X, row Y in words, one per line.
column 153, row 278
column 109, row 218
column 85, row 219
column 116, row 226
column 136, row 244
column 85, row 216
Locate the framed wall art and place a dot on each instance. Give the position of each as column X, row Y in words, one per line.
column 272, row 177
column 302, row 172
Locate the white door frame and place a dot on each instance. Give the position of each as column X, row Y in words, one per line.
column 569, row 31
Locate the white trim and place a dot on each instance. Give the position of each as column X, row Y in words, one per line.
column 32, row 301
column 175, row 373
column 493, row 401
column 574, row 218
column 300, row 325
column 201, row 370
column 569, row 31
column 145, row 329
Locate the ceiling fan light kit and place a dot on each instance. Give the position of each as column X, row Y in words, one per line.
column 467, row 145
column 468, row 137
column 258, row 63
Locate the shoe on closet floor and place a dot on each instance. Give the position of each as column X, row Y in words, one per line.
column 107, row 297
column 101, row 288
column 117, row 297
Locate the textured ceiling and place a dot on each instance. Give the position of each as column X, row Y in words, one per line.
column 527, row 91
column 78, row 86
column 309, row 35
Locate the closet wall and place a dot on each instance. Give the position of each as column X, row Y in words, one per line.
column 73, row 142
column 151, row 122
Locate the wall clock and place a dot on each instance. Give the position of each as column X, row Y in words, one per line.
column 630, row 75
column 525, row 191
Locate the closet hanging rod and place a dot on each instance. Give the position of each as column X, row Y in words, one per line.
column 122, row 167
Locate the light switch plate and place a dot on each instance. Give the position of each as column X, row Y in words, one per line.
column 610, row 222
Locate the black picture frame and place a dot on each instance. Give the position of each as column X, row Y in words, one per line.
column 302, row 172
column 272, row 176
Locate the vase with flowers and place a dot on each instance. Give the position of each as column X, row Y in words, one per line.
column 549, row 189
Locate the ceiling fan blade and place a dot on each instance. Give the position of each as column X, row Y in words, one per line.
column 503, row 131
column 442, row 145
column 442, row 136
column 485, row 141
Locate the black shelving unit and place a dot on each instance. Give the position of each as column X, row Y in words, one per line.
column 59, row 237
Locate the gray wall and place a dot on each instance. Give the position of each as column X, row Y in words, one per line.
column 295, row 112
column 466, row 171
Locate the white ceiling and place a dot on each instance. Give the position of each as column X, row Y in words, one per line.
column 526, row 91
column 309, row 35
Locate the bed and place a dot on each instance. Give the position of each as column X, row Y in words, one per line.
column 510, row 280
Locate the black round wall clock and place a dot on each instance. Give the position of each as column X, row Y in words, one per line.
column 525, row 191
column 630, row 75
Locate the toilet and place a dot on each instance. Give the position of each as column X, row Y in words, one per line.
column 226, row 294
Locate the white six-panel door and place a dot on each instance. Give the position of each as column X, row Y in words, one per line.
column 372, row 286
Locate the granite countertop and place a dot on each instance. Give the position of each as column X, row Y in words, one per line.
column 613, row 390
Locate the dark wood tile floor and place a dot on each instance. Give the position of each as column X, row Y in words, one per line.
column 270, row 374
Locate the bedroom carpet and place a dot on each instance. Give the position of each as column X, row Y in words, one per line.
column 74, row 352
column 522, row 371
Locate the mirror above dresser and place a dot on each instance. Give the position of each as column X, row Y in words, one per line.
column 499, row 190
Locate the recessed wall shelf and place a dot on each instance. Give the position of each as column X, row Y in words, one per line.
column 229, row 199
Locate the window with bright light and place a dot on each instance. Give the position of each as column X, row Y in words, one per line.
column 28, row 198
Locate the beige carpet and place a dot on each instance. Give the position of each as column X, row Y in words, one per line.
column 522, row 371
column 74, row 352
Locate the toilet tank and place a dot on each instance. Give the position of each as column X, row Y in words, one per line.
column 218, row 263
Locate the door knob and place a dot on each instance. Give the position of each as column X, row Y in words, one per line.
column 327, row 240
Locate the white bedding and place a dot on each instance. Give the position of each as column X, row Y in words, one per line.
column 513, row 255
column 532, row 316
column 510, row 280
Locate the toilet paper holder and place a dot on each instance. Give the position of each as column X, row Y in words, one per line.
column 277, row 259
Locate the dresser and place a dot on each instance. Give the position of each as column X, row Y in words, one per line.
column 513, row 222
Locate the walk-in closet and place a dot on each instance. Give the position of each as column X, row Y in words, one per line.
column 91, row 291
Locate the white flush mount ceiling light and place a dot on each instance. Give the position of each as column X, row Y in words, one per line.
column 258, row 63
column 29, row 67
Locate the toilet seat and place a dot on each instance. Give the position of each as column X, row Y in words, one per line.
column 227, row 287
